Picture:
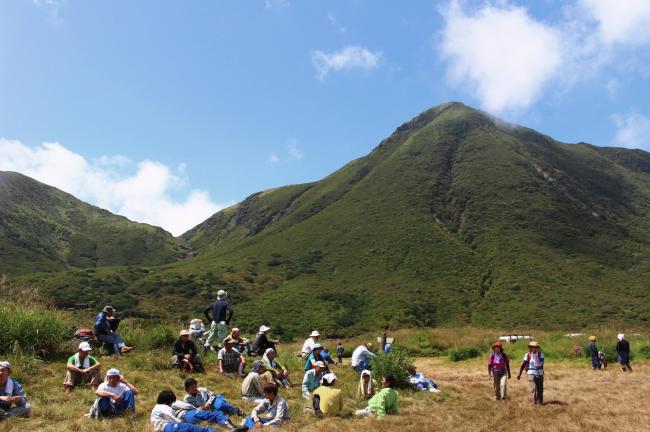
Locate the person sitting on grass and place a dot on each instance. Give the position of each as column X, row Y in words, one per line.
column 311, row 380
column 241, row 344
column 163, row 417
column 327, row 400
column 105, row 330
column 384, row 402
column 184, row 355
column 278, row 371
column 499, row 371
column 366, row 385
column 361, row 357
column 203, row 400
column 197, row 329
column 82, row 368
column 262, row 341
column 13, row 401
column 276, row 408
column 316, row 356
column 230, row 360
column 115, row 396
column 421, row 382
column 252, row 388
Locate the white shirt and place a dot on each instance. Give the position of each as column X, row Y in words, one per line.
column 161, row 416
column 360, row 354
column 117, row 390
column 308, row 346
column 535, row 361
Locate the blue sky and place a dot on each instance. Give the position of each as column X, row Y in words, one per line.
column 167, row 111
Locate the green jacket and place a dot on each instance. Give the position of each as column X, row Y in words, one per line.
column 384, row 402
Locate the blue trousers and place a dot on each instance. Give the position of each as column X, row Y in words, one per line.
column 108, row 408
column 218, row 415
column 363, row 365
column 112, row 338
column 250, row 423
column 186, row 427
column 221, row 404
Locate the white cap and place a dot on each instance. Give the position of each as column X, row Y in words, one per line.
column 621, row 336
column 85, row 346
column 329, row 377
column 320, row 364
column 184, row 333
column 314, row 333
column 221, row 294
column 264, row 329
column 113, row 372
column 5, row 365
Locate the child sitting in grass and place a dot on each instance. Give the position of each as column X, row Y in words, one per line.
column 276, row 408
column 384, row 402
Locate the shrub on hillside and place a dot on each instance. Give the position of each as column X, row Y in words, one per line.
column 394, row 363
column 644, row 352
column 464, row 353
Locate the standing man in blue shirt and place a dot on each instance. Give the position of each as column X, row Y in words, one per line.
column 221, row 315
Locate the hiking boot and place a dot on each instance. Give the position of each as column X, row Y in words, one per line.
column 231, row 427
column 125, row 349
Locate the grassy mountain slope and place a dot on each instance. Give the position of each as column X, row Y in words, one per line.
column 45, row 229
column 456, row 218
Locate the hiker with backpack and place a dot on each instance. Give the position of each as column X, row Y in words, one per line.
column 595, row 354
column 82, row 368
column 623, row 351
column 534, row 363
column 105, row 329
column 499, row 371
column 221, row 315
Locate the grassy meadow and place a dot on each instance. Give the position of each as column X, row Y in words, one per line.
column 576, row 397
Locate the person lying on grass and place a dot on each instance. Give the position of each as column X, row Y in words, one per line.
column 82, row 368
column 276, row 409
column 184, row 355
column 115, row 396
column 421, row 382
column 205, row 405
column 13, row 401
column 279, row 372
column 311, row 380
column 230, row 360
column 163, row 417
column 384, row 402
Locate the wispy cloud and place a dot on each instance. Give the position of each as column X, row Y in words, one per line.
column 53, row 10
column 273, row 159
column 335, row 23
column 276, row 4
column 348, row 58
column 291, row 152
column 141, row 191
column 632, row 130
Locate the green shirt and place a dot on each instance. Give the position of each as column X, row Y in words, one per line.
column 91, row 359
column 384, row 402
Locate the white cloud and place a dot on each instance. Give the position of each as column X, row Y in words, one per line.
column 335, row 22
column 141, row 192
column 53, row 10
column 620, row 21
column 632, row 131
column 501, row 53
column 348, row 58
column 276, row 4
column 293, row 150
column 273, row 159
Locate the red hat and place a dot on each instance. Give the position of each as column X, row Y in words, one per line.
column 497, row 344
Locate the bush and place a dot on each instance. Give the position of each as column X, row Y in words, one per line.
column 464, row 353
column 394, row 363
column 644, row 352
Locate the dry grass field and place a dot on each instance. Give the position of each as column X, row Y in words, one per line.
column 576, row 399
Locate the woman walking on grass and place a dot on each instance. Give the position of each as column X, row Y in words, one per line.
column 499, row 371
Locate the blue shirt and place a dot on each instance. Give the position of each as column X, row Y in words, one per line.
column 101, row 324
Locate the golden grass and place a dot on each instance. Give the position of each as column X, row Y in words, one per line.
column 577, row 399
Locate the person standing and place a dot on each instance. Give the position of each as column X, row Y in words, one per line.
column 593, row 351
column 221, row 315
column 534, row 363
column 339, row 353
column 82, row 368
column 623, row 351
column 499, row 371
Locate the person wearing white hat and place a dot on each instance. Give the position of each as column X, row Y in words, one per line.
column 222, row 313
column 327, row 400
column 184, row 354
column 82, row 368
column 534, row 363
column 13, row 401
column 262, row 342
column 115, row 396
column 312, row 378
column 623, row 351
column 309, row 343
